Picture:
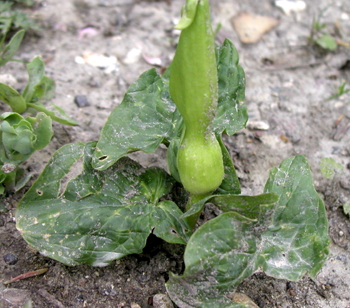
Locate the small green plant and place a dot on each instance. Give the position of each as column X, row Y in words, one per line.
column 319, row 36
column 329, row 167
column 21, row 136
column 339, row 91
column 116, row 203
column 14, row 20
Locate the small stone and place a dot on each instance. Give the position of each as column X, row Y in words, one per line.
column 162, row 301
column 258, row 125
column 81, row 101
column 243, row 299
column 10, row 259
column 134, row 305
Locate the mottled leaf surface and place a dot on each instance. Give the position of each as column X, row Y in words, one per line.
column 148, row 117
column 219, row 255
column 231, row 115
column 99, row 216
column 140, row 122
column 297, row 240
column 286, row 236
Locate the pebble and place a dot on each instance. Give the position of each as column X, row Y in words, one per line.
column 162, row 301
column 16, row 297
column 243, row 299
column 9, row 80
column 81, row 101
column 134, row 305
column 10, row 259
column 258, row 125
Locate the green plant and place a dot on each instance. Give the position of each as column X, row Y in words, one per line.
column 319, row 36
column 117, row 204
column 329, row 167
column 21, row 136
column 14, row 20
column 339, row 92
column 194, row 89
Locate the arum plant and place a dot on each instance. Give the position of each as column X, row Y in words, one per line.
column 116, row 203
column 21, row 136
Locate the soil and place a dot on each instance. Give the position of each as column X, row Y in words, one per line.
column 288, row 82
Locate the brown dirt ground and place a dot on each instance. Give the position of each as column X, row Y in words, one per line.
column 287, row 84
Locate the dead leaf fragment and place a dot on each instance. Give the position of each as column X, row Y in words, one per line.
column 250, row 28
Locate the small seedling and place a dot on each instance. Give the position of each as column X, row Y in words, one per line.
column 329, row 167
column 12, row 20
column 339, row 91
column 21, row 136
column 116, row 203
column 319, row 36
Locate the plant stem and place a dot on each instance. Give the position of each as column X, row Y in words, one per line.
column 192, row 220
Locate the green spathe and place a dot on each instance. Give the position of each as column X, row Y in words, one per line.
column 194, row 89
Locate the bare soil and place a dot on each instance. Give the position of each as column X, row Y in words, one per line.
column 288, row 82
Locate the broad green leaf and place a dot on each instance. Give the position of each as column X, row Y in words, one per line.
column 297, row 241
column 36, row 71
column 11, row 48
column 101, row 215
column 232, row 111
column 216, row 265
column 248, row 206
column 287, row 238
column 148, row 117
column 11, row 97
column 140, row 122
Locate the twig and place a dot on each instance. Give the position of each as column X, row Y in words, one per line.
column 27, row 275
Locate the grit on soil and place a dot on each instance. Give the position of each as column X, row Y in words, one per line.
column 288, row 82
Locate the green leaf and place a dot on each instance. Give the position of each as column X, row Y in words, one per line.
column 36, row 71
column 248, row 206
column 43, row 130
column 287, row 237
column 44, row 90
column 232, row 111
column 297, row 241
column 5, row 22
column 346, row 208
column 327, row 42
column 216, row 265
column 58, row 115
column 11, row 97
column 11, row 48
column 140, row 122
column 22, row 136
column 329, row 167
column 148, row 117
column 230, row 183
column 100, row 216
